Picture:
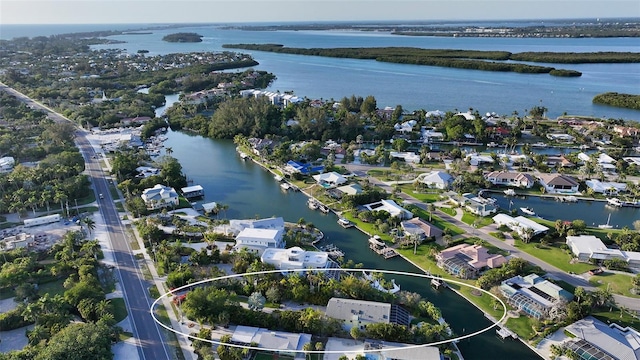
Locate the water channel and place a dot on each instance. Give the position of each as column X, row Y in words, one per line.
column 252, row 192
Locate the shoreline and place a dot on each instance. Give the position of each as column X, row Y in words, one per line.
column 487, row 315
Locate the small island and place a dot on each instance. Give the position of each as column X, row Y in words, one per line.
column 183, row 38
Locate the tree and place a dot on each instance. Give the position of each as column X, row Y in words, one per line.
column 256, row 301
column 89, row 223
column 79, row 341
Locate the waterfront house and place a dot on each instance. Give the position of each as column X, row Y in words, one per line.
column 520, row 224
column 588, row 247
column 160, row 196
column 294, row 167
column 606, row 187
column 351, row 189
column 287, row 344
column 566, row 138
column 295, row 258
column 508, row 178
column 407, row 156
column 436, row 179
column 359, row 313
column 391, row 207
column 192, row 191
column 468, row 261
column 478, row 205
column 626, row 131
column 258, row 240
column 430, row 135
column 478, row 159
column 558, row 161
column 237, row 225
column 383, row 350
column 558, row 183
column 405, row 127
column 420, row 228
column 593, row 339
column 330, row 179
column 534, row 295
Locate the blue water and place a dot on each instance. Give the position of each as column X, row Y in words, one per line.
column 413, row 87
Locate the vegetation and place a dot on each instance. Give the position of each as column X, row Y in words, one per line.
column 183, row 37
column 627, row 101
column 464, row 59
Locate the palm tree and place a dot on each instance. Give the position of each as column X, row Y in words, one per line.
column 89, row 223
column 169, row 151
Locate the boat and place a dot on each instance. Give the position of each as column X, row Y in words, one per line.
column 312, row 204
column 614, row 202
column 492, row 144
column 510, row 192
column 528, row 211
column 607, row 225
column 325, row 209
column 243, row 156
column 539, row 144
column 285, row 186
column 569, row 198
column 278, row 178
column 345, row 223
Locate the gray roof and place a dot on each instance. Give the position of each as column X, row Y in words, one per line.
column 623, row 345
column 368, row 311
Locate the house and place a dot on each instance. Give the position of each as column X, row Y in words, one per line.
column 160, row 196
column 295, row 258
column 520, row 224
column 589, row 247
column 21, row 240
column 405, row 127
column 379, row 350
column 478, row 205
column 558, row 183
column 351, row 189
column 237, row 225
column 509, row 178
column 477, row 159
column 468, row 261
column 430, row 135
column 294, row 167
column 420, row 228
column 436, row 179
column 258, row 240
column 284, row 343
column 566, row 138
column 534, row 295
column 606, row 187
column 391, row 207
column 593, row 339
column 626, row 131
column 558, row 161
column 7, row 163
column 330, row 179
column 359, row 313
column 407, row 156
column 466, row 115
column 192, row 191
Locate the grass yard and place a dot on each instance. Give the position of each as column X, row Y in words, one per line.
column 469, row 219
column 367, row 227
column 619, row 317
column 119, row 309
column 423, row 197
column 521, row 326
column 52, row 288
column 449, row 211
column 552, row 254
column 617, row 283
column 438, row 222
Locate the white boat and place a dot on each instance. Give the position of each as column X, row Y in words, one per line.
column 312, row 204
column 528, row 211
column 614, row 202
column 325, row 209
column 285, row 186
column 510, row 192
column 278, row 178
column 539, row 144
column 243, row 156
column 345, row 223
column 607, row 225
column 492, row 144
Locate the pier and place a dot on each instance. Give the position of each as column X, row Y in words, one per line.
column 505, row 333
column 381, row 248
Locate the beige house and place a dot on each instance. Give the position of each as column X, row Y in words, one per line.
column 468, row 261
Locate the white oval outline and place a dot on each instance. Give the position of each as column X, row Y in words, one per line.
column 392, row 272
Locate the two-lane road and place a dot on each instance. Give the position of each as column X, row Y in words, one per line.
column 151, row 342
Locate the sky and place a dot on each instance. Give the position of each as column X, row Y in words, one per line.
column 225, row 11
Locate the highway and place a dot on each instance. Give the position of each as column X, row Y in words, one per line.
column 151, row 342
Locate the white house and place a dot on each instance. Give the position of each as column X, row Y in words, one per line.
column 561, row 137
column 237, row 225
column 295, row 258
column 602, row 341
column 160, row 196
column 508, row 178
column 289, row 344
column 606, row 187
column 258, row 240
column 359, row 313
column 436, row 179
column 331, row 179
column 477, row 159
column 533, row 295
column 7, row 163
column 520, row 224
column 391, row 207
column 407, row 156
column 558, row 183
column 587, row 247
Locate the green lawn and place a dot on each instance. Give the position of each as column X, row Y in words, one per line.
column 435, row 220
column 469, row 219
column 367, row 227
column 617, row 283
column 621, row 318
column 521, row 326
column 421, row 196
column 119, row 309
column 449, row 211
column 552, row 254
column 52, row 288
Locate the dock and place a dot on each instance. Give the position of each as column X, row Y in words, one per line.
column 381, row 248
column 438, row 283
column 505, row 333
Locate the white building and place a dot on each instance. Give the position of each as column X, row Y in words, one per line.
column 391, row 207
column 558, row 183
column 331, row 179
column 533, row 295
column 7, row 163
column 561, row 137
column 520, row 224
column 597, row 340
column 295, row 258
column 289, row 344
column 587, row 247
column 258, row 240
column 359, row 313
column 160, row 196
column 436, row 179
column 407, row 156
column 507, row 178
column 606, row 187
column 236, row 226
column 477, row 159
column 42, row 220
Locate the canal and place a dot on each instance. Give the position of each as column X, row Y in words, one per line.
column 252, row 192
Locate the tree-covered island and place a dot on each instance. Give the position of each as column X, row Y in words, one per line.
column 183, row 37
column 628, row 101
